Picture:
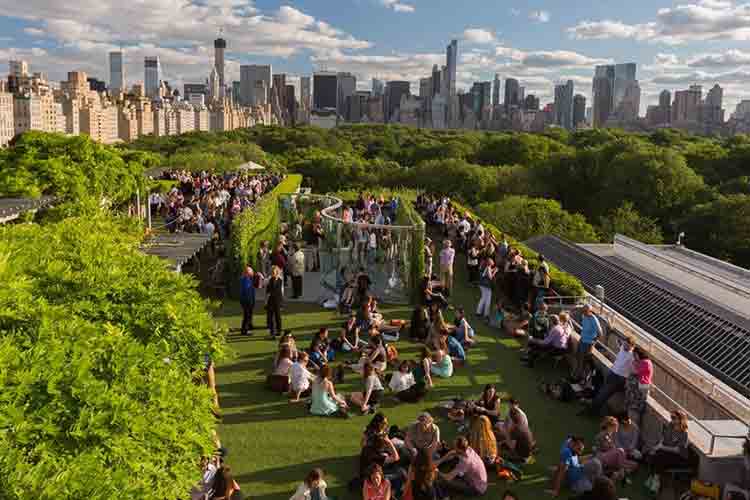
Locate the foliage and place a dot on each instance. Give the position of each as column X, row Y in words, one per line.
column 720, row 228
column 99, row 347
column 626, row 220
column 251, row 227
column 565, row 284
column 526, row 217
column 79, row 171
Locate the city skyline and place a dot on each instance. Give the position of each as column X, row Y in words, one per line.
column 674, row 45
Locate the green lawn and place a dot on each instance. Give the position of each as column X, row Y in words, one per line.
column 272, row 444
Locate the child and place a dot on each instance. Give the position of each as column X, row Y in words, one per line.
column 402, row 379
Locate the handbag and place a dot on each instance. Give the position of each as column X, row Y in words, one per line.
column 705, row 490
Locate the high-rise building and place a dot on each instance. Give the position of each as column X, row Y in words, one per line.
column 531, row 103
column 116, row 73
column 435, row 80
column 219, row 46
column 290, row 99
column 612, row 85
column 189, row 89
column 249, row 76
column 346, row 86
column 481, row 94
column 152, row 76
column 603, row 93
column 96, row 85
column 393, row 92
column 715, row 96
column 629, row 106
column 686, row 106
column 236, row 87
column 305, row 92
column 624, row 76
column 279, row 90
column 378, row 87
column 7, row 121
column 496, row 91
column 564, row 105
column 18, row 68
column 512, row 94
column 425, row 92
column 712, row 113
column 451, row 64
column 214, row 87
column 325, row 90
column 579, row 110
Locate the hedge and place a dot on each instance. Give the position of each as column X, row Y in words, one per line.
column 252, row 227
column 562, row 282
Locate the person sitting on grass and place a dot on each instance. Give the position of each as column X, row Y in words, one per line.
column 300, row 378
column 376, row 486
column 422, row 379
column 578, row 475
column 325, row 401
column 378, row 426
column 519, row 444
column 225, row 486
column 402, row 379
column 423, row 434
column 318, row 354
column 464, row 333
column 312, row 488
column 554, row 343
column 278, row 380
column 419, row 327
column 442, row 364
column 613, row 459
column 469, row 477
column 372, row 393
column 628, row 437
column 422, row 478
column 374, row 353
column 488, row 404
column 455, row 348
column 287, row 340
column 381, row 451
column 325, row 344
column 540, row 323
column 482, row 439
column 497, row 319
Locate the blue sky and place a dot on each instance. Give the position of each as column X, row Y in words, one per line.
column 540, row 42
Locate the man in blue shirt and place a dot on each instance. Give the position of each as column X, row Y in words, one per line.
column 247, row 299
column 590, row 331
column 577, row 476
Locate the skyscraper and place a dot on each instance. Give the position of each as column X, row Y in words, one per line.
column 686, row 105
column 481, row 97
column 602, row 94
column 378, row 87
column 579, row 110
column 116, row 73
column 250, row 93
column 151, row 76
column 325, row 90
column 564, row 105
column 512, row 94
column 451, row 64
column 279, row 90
column 531, row 103
column 305, row 91
column 393, row 92
column 435, row 80
column 612, row 85
column 347, row 85
column 496, row 91
column 624, row 76
column 219, row 45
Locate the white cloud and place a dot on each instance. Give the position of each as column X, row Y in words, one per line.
column 541, row 16
column 662, row 59
column 479, row 36
column 729, row 58
column 398, row 6
column 34, row 31
column 699, row 21
column 548, row 58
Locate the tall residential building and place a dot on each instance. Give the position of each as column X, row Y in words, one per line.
column 481, row 95
column 378, row 87
column 290, row 99
column 451, row 54
column 629, row 106
column 564, row 105
column 214, row 89
column 512, row 94
column 496, row 91
column 624, row 76
column 236, row 92
column 325, row 90
column 613, row 85
column 531, row 103
column 279, row 90
column 249, row 76
column 346, row 86
column 152, row 76
column 686, row 106
column 602, row 94
column 579, row 110
column 393, row 92
column 712, row 113
column 219, row 46
column 7, row 123
column 425, row 92
column 116, row 73
column 305, row 91
column 18, row 68
column 435, row 80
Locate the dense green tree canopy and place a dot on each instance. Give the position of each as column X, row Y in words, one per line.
column 626, row 220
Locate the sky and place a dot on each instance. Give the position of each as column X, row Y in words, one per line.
column 539, row 42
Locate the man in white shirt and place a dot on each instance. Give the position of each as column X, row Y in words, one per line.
column 618, row 375
column 447, row 255
column 300, row 378
column 298, row 271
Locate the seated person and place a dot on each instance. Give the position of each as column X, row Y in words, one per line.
column 628, row 437
column 419, row 326
column 363, row 283
column 325, row 401
column 497, row 319
column 287, row 340
column 455, row 348
column 520, row 327
column 278, row 381
column 423, row 434
column 482, row 439
column 603, row 489
column 375, row 485
column 539, row 323
column 312, row 488
column 374, row 354
column 578, row 475
column 324, row 345
column 469, row 477
column 318, row 355
column 372, row 391
column 422, row 478
column 671, row 451
column 300, row 378
column 442, row 364
column 225, row 487
column 349, row 340
column 488, row 404
column 464, row 333
column 613, row 459
column 519, row 444
column 429, row 296
column 554, row 343
column 422, row 379
column 402, row 379
column 378, row 426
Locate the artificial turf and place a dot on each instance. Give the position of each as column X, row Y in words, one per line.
column 273, row 444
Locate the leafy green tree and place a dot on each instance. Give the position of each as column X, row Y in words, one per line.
column 525, row 217
column 626, row 220
column 721, row 228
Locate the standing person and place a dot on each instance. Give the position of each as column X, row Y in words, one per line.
column 317, row 240
column 279, row 259
column 447, row 256
column 618, row 375
column 590, row 331
column 247, row 300
column 274, row 298
column 264, row 258
column 638, row 386
column 469, row 477
column 428, row 257
column 298, row 271
column 472, row 264
column 486, row 283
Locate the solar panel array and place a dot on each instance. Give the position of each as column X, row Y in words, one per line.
column 717, row 341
